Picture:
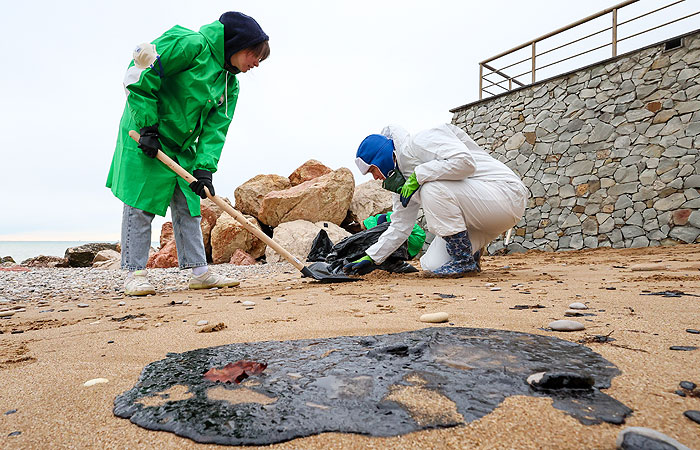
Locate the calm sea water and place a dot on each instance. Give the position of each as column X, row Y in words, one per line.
column 21, row 250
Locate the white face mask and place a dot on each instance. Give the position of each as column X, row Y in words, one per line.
column 145, row 55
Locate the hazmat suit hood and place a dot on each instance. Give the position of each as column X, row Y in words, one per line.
column 376, row 150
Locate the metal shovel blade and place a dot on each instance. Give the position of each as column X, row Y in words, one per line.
column 319, row 271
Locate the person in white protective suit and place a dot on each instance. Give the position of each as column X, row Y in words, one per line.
column 468, row 197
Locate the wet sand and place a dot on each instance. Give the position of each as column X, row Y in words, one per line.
column 43, row 368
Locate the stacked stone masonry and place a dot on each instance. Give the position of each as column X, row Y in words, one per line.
column 609, row 153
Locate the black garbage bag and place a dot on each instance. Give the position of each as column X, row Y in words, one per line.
column 353, row 248
column 321, row 247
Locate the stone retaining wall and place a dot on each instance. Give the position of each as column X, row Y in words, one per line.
column 609, row 152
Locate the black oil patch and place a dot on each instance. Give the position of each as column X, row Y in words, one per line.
column 355, row 385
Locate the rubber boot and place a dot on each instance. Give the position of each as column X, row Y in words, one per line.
column 459, row 247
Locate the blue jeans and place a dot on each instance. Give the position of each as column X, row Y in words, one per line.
column 136, row 235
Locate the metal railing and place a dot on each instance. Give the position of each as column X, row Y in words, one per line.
column 533, row 57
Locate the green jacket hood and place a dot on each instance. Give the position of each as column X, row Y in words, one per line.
column 214, row 34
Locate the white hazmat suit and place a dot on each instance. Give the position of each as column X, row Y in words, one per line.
column 461, row 188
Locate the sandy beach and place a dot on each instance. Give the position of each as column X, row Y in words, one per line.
column 46, row 357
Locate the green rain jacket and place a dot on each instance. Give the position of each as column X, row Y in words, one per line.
column 192, row 100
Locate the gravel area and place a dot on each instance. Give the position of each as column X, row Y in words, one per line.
column 86, row 283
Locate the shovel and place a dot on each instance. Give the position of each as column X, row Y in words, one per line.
column 323, row 277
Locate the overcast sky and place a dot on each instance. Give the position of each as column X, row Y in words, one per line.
column 338, row 70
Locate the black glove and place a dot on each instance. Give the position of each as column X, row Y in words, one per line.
column 149, row 142
column 203, row 179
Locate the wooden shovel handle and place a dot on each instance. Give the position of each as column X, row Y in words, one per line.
column 175, row 167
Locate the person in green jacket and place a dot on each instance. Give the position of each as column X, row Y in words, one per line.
column 181, row 93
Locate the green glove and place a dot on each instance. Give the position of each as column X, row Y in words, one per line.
column 361, row 264
column 409, row 188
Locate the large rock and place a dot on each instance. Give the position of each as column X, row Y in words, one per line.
column 107, row 259
column 207, row 224
column 229, row 235
column 325, row 198
column 369, row 198
column 297, row 236
column 164, row 258
column 166, row 234
column 45, row 261
column 250, row 194
column 308, row 171
column 214, row 207
column 83, row 255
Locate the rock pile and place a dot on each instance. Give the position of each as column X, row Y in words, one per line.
column 291, row 209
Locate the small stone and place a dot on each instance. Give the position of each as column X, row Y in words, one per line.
column 566, row 325
column 280, row 299
column 495, row 289
column 213, row 327
column 693, row 415
column 560, row 380
column 7, row 313
column 490, row 284
column 692, row 331
column 689, row 385
column 679, row 392
column 437, row 317
column 577, row 305
column 14, row 433
column 12, row 411
column 202, row 323
column 185, row 302
column 639, row 438
column 83, row 305
column 683, row 348
column 648, row 267
column 122, row 303
column 158, row 324
column 95, row 381
column 248, row 303
column 573, row 313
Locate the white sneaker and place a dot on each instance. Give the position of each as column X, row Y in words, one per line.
column 210, row 279
column 137, row 284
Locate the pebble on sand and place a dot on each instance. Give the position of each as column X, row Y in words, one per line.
column 438, row 317
column 566, row 325
column 648, row 267
column 573, row 313
column 95, row 381
column 6, row 313
column 639, row 437
column 689, row 385
column 83, row 305
column 577, row 305
column 202, row 323
column 248, row 303
column 693, row 415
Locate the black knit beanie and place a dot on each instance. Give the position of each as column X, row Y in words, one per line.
column 240, row 32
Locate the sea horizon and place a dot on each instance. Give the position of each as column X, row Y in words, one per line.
column 22, row 250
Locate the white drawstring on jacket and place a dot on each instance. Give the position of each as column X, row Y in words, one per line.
column 226, row 95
